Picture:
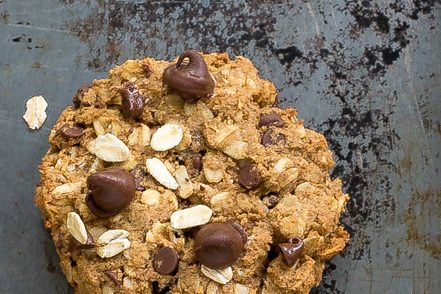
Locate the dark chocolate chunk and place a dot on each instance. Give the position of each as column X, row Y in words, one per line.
column 271, row 119
column 71, row 132
column 268, row 138
column 197, row 162
column 80, row 93
column 74, row 244
column 155, row 287
column 249, row 176
column 132, row 102
column 192, row 161
column 165, row 261
column 291, row 251
column 191, row 80
column 110, row 190
column 114, row 277
column 218, row 245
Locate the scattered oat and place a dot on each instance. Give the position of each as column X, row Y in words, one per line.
column 191, row 217
column 35, row 114
column 220, row 276
column 159, row 171
column 166, row 137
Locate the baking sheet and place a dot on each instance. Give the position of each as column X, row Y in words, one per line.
column 365, row 73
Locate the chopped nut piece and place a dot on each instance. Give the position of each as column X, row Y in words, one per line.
column 150, row 197
column 290, row 201
column 282, row 164
column 213, row 176
column 140, row 136
column 206, row 111
column 236, row 149
column 288, row 176
column 183, row 179
column 304, row 187
column 90, row 146
column 219, row 133
column 240, row 289
column 67, row 188
column 219, row 198
column 212, row 288
column 98, row 127
column 127, row 283
column 206, row 189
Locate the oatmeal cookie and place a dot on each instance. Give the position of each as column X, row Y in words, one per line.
column 183, row 177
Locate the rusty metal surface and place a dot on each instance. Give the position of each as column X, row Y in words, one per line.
column 365, row 73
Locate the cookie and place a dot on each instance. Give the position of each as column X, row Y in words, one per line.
column 183, row 177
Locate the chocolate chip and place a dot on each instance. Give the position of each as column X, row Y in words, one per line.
column 271, row 119
column 165, row 261
column 71, row 132
column 268, row 138
column 114, row 277
column 249, row 176
column 191, row 81
column 155, row 287
column 132, row 102
column 197, row 162
column 218, row 245
column 291, row 251
column 80, row 93
column 192, row 232
column 74, row 244
column 192, row 161
column 110, row 191
column 239, row 229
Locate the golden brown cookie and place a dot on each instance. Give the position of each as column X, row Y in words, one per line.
column 183, row 177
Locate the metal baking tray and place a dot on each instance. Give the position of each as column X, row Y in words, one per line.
column 367, row 74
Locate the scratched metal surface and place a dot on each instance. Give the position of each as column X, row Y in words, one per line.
column 365, row 73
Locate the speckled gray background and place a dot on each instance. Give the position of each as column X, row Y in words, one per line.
column 365, row 73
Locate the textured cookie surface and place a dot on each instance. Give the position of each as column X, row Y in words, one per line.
column 231, row 156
